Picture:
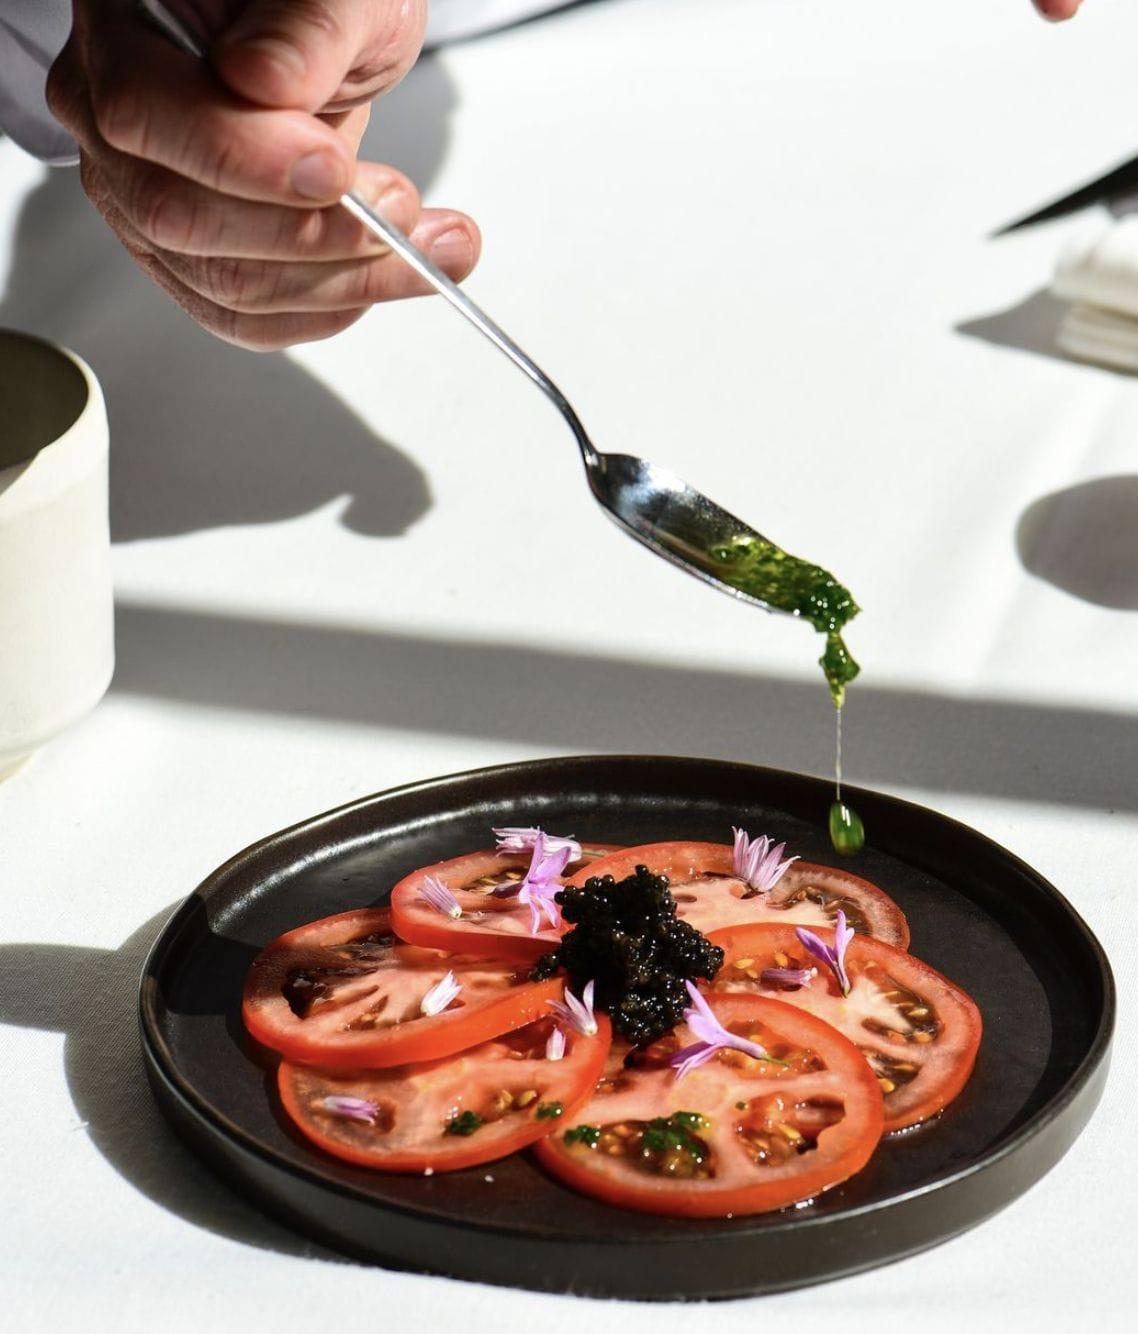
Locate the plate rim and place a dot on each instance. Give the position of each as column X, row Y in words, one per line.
column 159, row 1056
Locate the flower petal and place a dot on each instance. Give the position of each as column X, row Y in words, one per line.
column 577, row 1013
column 516, row 839
column 757, row 861
column 353, row 1109
column 441, row 994
column 437, row 894
column 787, row 979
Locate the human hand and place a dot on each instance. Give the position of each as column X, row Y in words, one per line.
column 1057, row 10
column 221, row 178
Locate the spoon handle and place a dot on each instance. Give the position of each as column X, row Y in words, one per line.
column 171, row 27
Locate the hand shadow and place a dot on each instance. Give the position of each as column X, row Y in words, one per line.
column 205, row 435
column 1081, row 539
column 91, row 996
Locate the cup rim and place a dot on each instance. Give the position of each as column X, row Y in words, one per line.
column 71, row 437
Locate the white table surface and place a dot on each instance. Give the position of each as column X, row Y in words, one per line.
column 751, row 239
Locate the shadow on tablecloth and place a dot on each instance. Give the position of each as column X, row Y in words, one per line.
column 1079, row 539
column 205, row 435
column 91, row 996
column 576, row 701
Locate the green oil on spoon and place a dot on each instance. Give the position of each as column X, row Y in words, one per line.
column 761, row 570
column 764, row 571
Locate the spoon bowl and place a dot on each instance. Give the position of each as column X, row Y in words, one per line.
column 671, row 518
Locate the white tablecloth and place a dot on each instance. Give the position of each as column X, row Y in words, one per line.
column 752, row 240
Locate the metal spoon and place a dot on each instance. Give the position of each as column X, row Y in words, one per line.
column 655, row 506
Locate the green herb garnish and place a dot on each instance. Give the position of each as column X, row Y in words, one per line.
column 589, row 1136
column 546, row 1111
column 671, row 1146
column 465, row 1123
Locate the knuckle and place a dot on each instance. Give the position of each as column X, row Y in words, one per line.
column 161, row 214
column 294, row 22
column 304, row 232
column 120, row 116
column 368, row 283
column 317, row 15
column 62, row 91
column 226, row 281
column 217, row 154
column 392, row 49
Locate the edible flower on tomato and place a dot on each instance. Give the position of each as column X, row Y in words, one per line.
column 437, row 895
column 712, row 1037
column 577, row 1012
column 354, row 1109
column 512, row 839
column 787, row 979
column 542, row 881
column 833, row 955
column 441, row 994
column 555, row 1045
column 759, row 862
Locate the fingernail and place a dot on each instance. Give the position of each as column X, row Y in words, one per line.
column 318, row 175
column 453, row 248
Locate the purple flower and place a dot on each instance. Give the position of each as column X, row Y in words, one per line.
column 436, row 894
column 354, row 1109
column 541, row 882
column 833, row 955
column 512, row 839
column 757, row 861
column 713, row 1037
column 577, row 1013
column 555, row 1046
column 441, row 994
column 787, row 979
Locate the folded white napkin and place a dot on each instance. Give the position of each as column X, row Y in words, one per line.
column 1098, row 274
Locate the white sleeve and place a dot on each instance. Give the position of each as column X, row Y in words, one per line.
column 32, row 34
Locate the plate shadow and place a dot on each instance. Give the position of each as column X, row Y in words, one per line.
column 91, row 996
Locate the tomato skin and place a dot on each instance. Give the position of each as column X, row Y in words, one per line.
column 492, row 926
column 841, row 1149
column 429, row 1093
column 358, row 947
column 712, row 906
column 944, row 1064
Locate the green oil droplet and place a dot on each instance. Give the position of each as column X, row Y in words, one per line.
column 847, row 833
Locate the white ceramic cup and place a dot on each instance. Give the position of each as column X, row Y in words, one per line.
column 56, row 611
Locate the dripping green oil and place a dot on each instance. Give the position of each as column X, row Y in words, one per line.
column 761, row 570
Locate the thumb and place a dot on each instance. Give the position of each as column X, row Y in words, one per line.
column 290, row 53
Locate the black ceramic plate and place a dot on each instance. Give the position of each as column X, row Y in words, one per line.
column 976, row 913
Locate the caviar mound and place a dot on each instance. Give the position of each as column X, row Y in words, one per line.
column 628, row 941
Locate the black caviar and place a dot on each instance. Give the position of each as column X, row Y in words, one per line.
column 627, row 939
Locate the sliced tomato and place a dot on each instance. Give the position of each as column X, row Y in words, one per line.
column 492, row 922
column 711, row 897
column 441, row 1115
column 343, row 992
column 919, row 1031
column 734, row 1136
